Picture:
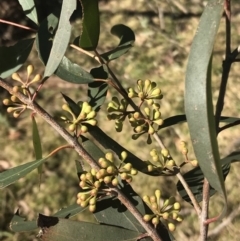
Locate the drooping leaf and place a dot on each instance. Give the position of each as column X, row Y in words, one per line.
column 73, row 73
column 15, row 173
column 195, row 177
column 198, row 99
column 66, row 70
column 61, row 38
column 97, row 92
column 90, row 25
column 19, row 224
column 127, row 38
column 37, row 144
column 29, row 9
column 13, row 57
column 57, row 229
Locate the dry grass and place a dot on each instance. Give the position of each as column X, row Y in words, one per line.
column 157, row 55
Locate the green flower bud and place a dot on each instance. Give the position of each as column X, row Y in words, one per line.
column 128, row 166
column 165, row 215
column 171, row 226
column 92, row 208
column 114, row 181
column 155, row 221
column 176, row 206
column 109, row 156
column 107, row 179
column 147, row 217
column 6, row 102
column 133, row 172
column 123, row 155
column 93, row 200
column 153, row 199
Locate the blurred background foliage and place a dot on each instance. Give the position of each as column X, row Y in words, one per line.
column 164, row 31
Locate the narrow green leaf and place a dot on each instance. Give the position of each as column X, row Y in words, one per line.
column 198, row 99
column 15, row 173
column 66, row 70
column 19, row 224
column 57, row 229
column 29, row 9
column 12, row 58
column 127, row 38
column 37, row 144
column 62, row 37
column 91, row 25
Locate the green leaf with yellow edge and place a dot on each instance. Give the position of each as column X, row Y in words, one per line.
column 198, row 99
column 90, row 25
column 57, row 229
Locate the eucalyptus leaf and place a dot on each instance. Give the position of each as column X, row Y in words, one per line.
column 127, row 38
column 37, row 144
column 57, row 229
column 19, row 224
column 14, row 57
column 90, row 25
column 12, row 175
column 198, row 99
column 61, row 38
column 29, row 9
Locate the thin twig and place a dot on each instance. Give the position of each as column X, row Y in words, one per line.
column 17, row 25
column 148, row 227
column 204, row 214
column 225, row 222
column 190, row 194
column 83, row 153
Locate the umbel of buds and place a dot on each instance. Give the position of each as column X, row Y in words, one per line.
column 95, row 183
column 15, row 105
column 147, row 90
column 161, row 162
column 86, row 116
column 167, row 212
column 117, row 111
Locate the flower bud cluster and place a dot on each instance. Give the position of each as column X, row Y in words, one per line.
column 147, row 90
column 168, row 212
column 15, row 105
column 144, row 121
column 161, row 162
column 86, row 116
column 95, row 182
column 184, row 150
column 25, row 84
column 117, row 111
